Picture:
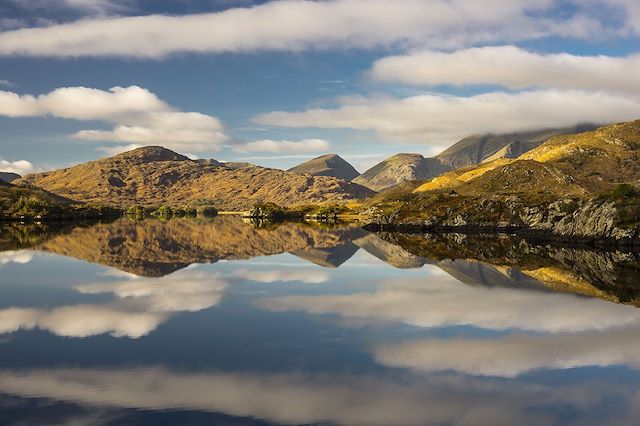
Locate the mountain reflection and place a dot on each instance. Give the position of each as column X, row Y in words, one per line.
column 154, row 248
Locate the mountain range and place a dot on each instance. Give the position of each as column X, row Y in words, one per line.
column 155, row 176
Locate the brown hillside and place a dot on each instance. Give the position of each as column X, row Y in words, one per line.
column 155, row 175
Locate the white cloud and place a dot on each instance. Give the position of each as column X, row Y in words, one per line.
column 21, row 167
column 298, row 24
column 512, row 67
column 441, row 119
column 140, row 117
column 440, row 301
column 296, row 147
column 517, row 354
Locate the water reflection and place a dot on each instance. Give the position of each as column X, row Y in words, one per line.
column 157, row 322
column 140, row 305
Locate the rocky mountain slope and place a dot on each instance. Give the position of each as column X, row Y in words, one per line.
column 155, row 176
column 479, row 148
column 9, row 177
column 470, row 151
column 327, row 165
column 581, row 186
column 400, row 168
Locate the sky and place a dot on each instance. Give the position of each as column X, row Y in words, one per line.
column 276, row 83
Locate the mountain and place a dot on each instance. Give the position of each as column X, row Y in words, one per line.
column 583, row 186
column 156, row 176
column 479, row 148
column 9, row 177
column 586, row 163
column 327, row 165
column 400, row 168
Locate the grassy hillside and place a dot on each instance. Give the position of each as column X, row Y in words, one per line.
column 36, row 204
column 156, row 176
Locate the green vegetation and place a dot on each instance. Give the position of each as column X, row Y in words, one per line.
column 627, row 201
column 163, row 212
column 273, row 212
column 33, row 204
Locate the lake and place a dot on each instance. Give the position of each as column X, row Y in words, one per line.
column 240, row 323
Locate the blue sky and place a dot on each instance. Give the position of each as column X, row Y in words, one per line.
column 278, row 82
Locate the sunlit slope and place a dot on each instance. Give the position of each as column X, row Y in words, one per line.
column 584, row 163
column 155, row 176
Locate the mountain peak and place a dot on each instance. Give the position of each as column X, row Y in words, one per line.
column 327, row 165
column 400, row 168
column 148, row 154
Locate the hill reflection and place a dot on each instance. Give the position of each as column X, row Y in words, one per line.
column 154, row 248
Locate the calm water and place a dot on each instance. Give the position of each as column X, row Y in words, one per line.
column 223, row 322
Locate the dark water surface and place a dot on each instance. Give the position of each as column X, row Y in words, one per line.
column 223, row 322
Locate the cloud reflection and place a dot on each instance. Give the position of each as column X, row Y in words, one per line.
column 305, row 275
column 514, row 355
column 140, row 306
column 306, row 398
column 16, row 256
column 439, row 301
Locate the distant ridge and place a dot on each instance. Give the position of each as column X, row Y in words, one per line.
column 327, row 165
column 155, row 176
column 9, row 177
column 398, row 169
column 479, row 148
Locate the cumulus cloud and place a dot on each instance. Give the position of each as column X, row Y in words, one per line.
column 140, row 117
column 297, row 147
column 512, row 67
column 140, row 306
column 303, row 24
column 517, row 354
column 442, row 301
column 21, row 167
column 442, row 119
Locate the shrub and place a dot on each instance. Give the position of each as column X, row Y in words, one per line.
column 163, row 212
column 206, row 211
